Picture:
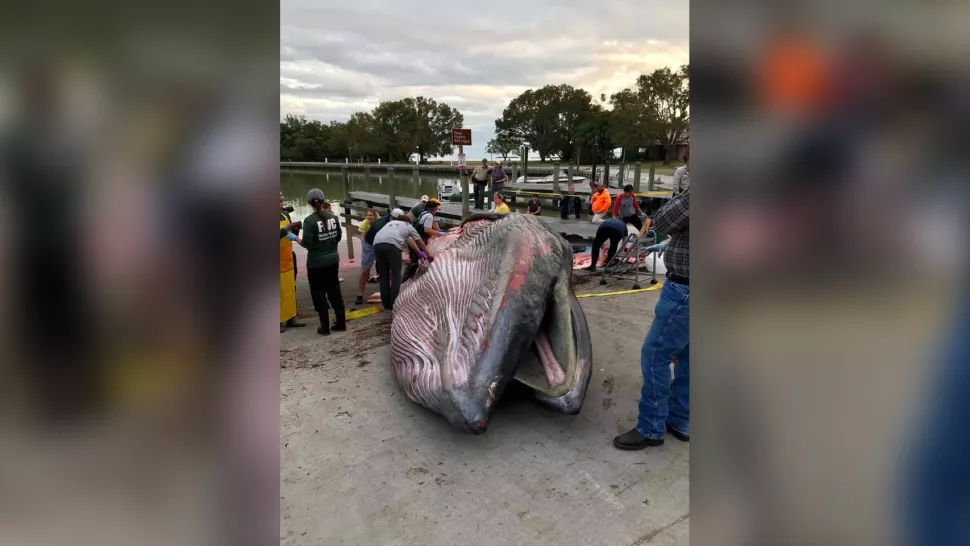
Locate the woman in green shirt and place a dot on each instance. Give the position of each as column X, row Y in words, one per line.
column 321, row 236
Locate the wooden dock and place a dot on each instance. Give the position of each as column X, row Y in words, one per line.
column 450, row 213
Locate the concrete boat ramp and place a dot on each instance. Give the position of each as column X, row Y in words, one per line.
column 363, row 465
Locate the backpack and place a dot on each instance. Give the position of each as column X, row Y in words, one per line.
column 420, row 228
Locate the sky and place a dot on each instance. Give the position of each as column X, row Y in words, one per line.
column 338, row 57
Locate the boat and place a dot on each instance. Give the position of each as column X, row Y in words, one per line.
column 563, row 179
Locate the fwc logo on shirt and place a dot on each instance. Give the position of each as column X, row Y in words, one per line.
column 330, row 232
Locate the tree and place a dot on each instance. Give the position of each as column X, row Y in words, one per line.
column 503, row 145
column 434, row 124
column 594, row 134
column 656, row 112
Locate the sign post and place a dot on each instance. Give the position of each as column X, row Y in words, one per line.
column 461, row 138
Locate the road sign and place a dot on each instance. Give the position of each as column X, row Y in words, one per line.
column 461, row 161
column 461, row 137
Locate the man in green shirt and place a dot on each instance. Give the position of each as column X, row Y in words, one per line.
column 321, row 237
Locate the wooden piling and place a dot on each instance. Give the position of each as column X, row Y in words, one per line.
column 391, row 194
column 636, row 176
column 555, row 177
column 650, row 180
column 416, row 179
column 347, row 213
column 464, row 196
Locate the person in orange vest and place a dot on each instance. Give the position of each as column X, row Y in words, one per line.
column 600, row 204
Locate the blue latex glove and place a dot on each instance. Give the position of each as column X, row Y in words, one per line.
column 442, row 233
column 291, row 236
column 422, row 255
column 659, row 247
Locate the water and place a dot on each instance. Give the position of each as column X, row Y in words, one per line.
column 296, row 184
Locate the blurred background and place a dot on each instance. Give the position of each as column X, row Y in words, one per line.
column 831, row 196
column 138, row 149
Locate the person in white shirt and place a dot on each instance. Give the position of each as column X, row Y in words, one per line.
column 388, row 245
column 682, row 176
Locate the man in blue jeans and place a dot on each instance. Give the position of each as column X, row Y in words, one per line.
column 665, row 406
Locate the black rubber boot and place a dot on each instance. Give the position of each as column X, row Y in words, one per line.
column 293, row 323
column 324, row 329
column 341, row 315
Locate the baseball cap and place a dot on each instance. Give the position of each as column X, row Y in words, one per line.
column 424, row 198
column 397, row 213
column 315, row 194
column 433, row 201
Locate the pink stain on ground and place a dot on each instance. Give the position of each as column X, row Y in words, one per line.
column 346, row 263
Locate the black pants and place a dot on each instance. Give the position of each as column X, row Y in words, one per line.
column 389, row 264
column 602, row 234
column 324, row 286
column 480, row 195
column 570, row 203
column 294, row 265
column 635, row 220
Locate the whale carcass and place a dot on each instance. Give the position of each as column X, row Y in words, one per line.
column 494, row 306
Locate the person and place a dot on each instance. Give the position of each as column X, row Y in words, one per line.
column 535, row 208
column 285, row 212
column 627, row 208
column 416, row 210
column 500, row 206
column 288, row 231
column 498, row 178
column 665, row 406
column 682, row 176
column 388, row 245
column 613, row 230
column 570, row 202
column 321, row 237
column 427, row 228
column 480, row 178
column 600, row 204
column 366, row 254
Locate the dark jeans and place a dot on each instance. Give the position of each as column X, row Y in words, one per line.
column 635, row 220
column 570, row 203
column 602, row 234
column 389, row 264
column 480, row 190
column 324, row 286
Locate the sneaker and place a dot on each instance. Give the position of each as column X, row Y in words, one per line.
column 359, row 300
column 633, row 441
column 590, row 268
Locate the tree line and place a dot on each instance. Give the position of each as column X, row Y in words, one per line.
column 393, row 131
column 555, row 121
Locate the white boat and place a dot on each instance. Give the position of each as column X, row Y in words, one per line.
column 563, row 179
column 447, row 188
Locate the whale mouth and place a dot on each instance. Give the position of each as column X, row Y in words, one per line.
column 554, row 366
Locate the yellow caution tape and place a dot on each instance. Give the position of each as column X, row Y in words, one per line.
column 621, row 292
column 365, row 312
column 657, row 193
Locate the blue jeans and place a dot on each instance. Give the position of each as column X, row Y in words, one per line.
column 660, row 400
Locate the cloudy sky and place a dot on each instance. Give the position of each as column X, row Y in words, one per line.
column 342, row 56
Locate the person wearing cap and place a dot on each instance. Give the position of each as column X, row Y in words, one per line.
column 480, row 183
column 420, row 207
column 388, row 245
column 427, row 227
column 321, row 237
column 288, row 234
column 535, row 208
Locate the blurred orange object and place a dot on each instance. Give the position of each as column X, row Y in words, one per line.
column 794, row 76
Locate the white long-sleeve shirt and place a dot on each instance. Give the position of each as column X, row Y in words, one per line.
column 681, row 179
